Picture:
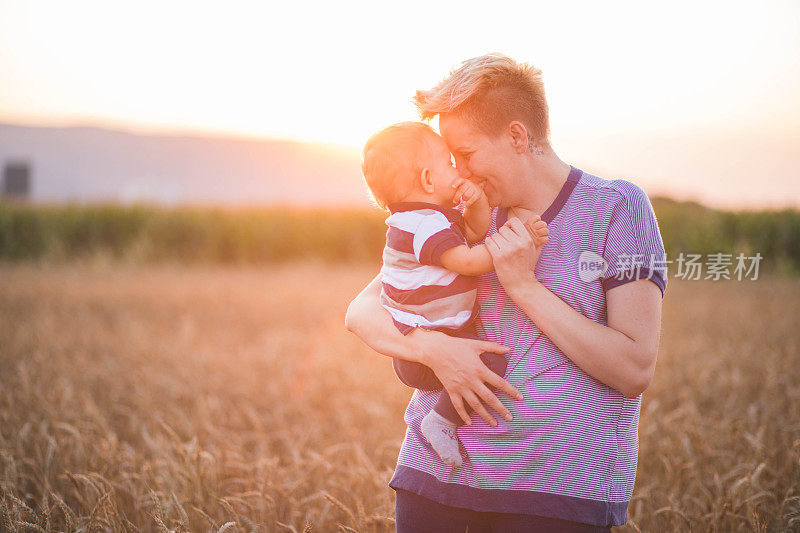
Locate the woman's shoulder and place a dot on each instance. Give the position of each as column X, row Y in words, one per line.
column 601, row 194
column 619, row 189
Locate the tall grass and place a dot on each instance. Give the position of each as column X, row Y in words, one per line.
column 207, row 398
column 144, row 234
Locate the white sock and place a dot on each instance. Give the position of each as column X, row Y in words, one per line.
column 441, row 433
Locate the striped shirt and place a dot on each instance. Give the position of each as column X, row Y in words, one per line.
column 416, row 289
column 571, row 450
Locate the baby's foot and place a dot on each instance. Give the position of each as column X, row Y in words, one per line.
column 441, row 433
column 538, row 230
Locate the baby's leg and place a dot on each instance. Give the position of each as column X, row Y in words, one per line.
column 439, row 426
column 496, row 362
column 439, row 431
column 416, row 375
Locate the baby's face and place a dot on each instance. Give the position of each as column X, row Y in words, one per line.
column 443, row 173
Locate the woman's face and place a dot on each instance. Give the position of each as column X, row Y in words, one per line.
column 482, row 159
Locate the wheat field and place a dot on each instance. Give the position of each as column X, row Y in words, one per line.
column 222, row 398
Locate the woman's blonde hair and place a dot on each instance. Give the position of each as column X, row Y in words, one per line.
column 393, row 158
column 491, row 91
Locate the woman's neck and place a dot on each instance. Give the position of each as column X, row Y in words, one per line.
column 547, row 174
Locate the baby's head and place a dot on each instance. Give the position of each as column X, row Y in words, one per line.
column 408, row 162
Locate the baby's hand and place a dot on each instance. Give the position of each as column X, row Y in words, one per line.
column 468, row 191
column 538, row 230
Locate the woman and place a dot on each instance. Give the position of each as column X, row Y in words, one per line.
column 579, row 318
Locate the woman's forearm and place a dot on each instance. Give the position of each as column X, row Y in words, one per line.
column 455, row 361
column 623, row 363
column 370, row 322
column 622, row 354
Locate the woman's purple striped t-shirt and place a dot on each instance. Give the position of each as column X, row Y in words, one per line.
column 571, row 450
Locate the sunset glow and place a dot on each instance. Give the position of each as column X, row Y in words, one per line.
column 335, row 73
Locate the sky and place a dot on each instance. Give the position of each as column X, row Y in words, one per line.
column 693, row 99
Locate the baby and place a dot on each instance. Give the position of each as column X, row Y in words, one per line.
column 429, row 269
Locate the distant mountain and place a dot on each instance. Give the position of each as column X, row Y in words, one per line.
column 92, row 164
column 716, row 167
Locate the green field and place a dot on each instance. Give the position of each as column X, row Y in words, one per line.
column 142, row 234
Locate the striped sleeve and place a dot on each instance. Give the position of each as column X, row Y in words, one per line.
column 634, row 248
column 434, row 236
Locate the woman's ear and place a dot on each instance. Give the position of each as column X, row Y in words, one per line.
column 519, row 136
column 426, row 180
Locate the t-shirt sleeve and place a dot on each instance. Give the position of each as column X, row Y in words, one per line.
column 434, row 236
column 634, row 248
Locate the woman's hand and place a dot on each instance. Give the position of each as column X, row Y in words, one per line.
column 457, row 364
column 514, row 252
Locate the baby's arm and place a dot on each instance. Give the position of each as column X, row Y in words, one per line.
column 468, row 261
column 477, row 260
column 477, row 212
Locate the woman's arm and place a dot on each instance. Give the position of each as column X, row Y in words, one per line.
column 370, row 322
column 455, row 361
column 623, row 354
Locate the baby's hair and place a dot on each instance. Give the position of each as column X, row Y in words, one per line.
column 393, row 158
column 491, row 91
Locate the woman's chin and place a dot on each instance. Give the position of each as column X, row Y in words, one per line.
column 493, row 199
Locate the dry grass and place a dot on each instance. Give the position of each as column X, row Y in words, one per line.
column 207, row 398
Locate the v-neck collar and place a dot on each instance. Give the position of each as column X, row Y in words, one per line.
column 551, row 212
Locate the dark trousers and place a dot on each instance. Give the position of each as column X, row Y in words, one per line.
column 422, row 377
column 417, row 514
